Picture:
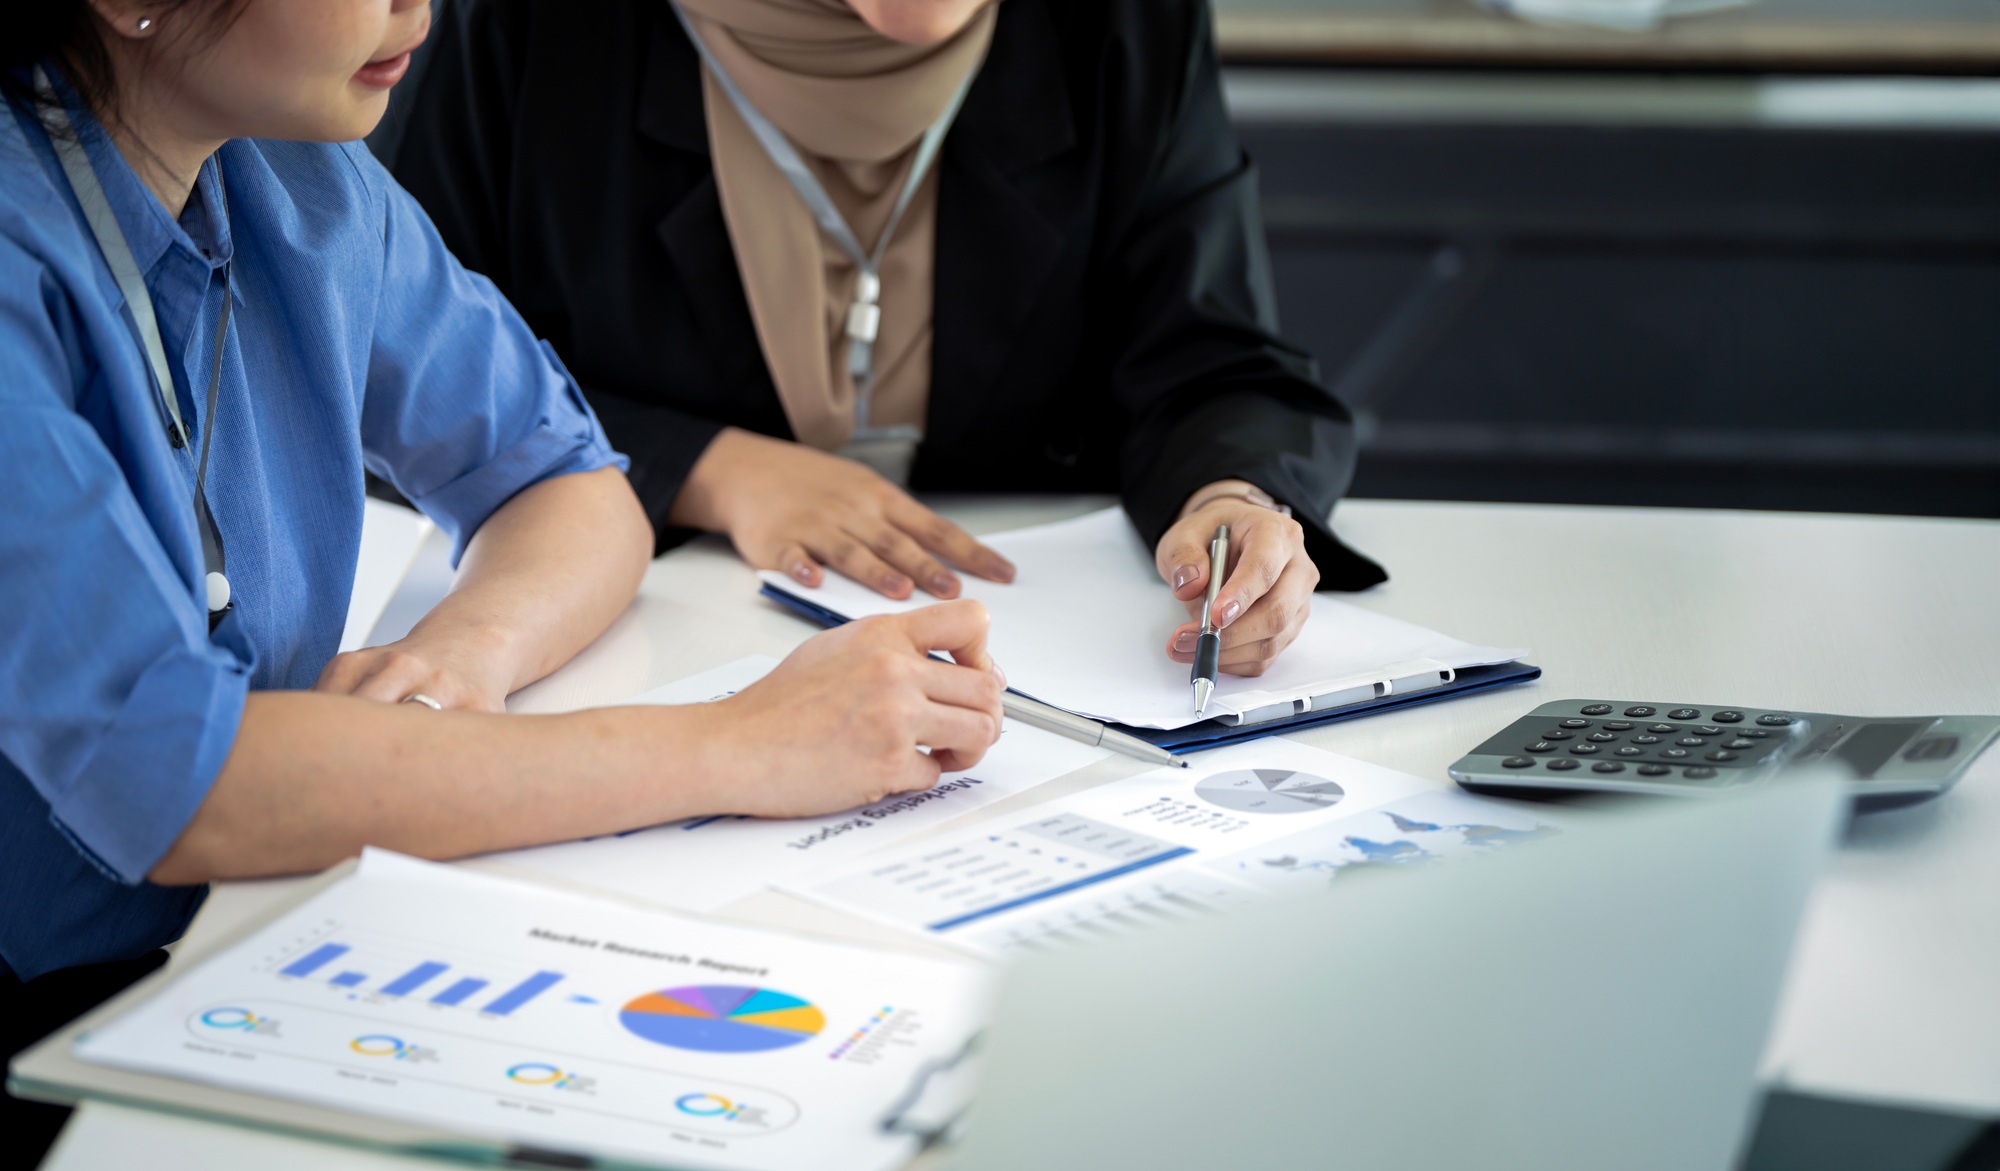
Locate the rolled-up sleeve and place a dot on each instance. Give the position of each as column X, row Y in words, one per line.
column 113, row 703
column 464, row 406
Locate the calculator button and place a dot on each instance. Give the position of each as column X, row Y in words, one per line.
column 1576, row 723
column 1604, row 737
column 1639, row 713
column 1691, row 741
column 1684, row 713
column 1740, row 743
column 1607, row 766
column 1708, row 731
column 1557, row 734
column 1654, row 770
column 1561, row 764
column 1673, row 753
column 1727, row 717
column 1720, row 755
column 1517, row 762
column 1770, row 721
column 1645, row 739
column 1628, row 750
column 1618, row 725
column 1583, row 749
column 1661, row 728
column 1751, row 734
column 1597, row 709
column 1540, row 746
column 1700, row 773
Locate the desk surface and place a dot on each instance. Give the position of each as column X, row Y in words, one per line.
column 1849, row 36
column 1890, row 997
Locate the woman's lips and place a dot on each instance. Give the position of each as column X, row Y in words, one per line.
column 384, row 73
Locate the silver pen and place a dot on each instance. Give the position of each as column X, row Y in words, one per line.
column 1208, row 648
column 1037, row 714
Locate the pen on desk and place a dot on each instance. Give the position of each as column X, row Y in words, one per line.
column 1037, row 714
column 1208, row 648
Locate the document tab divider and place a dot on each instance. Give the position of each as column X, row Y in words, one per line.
column 1399, row 679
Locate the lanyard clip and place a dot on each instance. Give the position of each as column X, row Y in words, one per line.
column 864, row 317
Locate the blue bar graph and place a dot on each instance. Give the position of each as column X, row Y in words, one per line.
column 348, row 979
column 413, row 979
column 314, row 960
column 459, row 991
column 522, row 993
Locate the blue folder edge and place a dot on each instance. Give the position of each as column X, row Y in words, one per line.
column 1215, row 733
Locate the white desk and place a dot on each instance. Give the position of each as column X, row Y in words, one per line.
column 1892, row 994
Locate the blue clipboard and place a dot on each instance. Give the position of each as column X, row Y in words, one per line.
column 1215, row 733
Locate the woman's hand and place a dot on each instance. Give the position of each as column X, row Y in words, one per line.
column 837, row 724
column 795, row 509
column 459, row 673
column 1268, row 585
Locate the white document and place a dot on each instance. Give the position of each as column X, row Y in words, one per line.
column 514, row 1014
column 1084, row 626
column 971, row 886
column 1431, row 826
column 708, row 862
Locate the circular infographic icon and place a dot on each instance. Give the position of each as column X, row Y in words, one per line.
column 1268, row 790
column 722, row 1018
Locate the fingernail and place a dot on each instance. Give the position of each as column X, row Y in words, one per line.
column 1184, row 575
column 1230, row 610
column 942, row 583
column 803, row 572
column 1184, row 642
column 999, row 674
column 895, row 583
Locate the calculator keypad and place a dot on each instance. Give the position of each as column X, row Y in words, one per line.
column 1684, row 744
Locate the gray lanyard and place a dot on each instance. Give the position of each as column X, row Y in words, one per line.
column 864, row 317
column 125, row 270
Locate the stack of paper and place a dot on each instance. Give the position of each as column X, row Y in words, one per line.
column 1085, row 623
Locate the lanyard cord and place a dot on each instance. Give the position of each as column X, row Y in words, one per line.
column 864, row 316
column 125, row 270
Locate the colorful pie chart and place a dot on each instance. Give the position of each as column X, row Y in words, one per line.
column 722, row 1018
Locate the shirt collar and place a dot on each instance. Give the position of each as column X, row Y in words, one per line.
column 202, row 233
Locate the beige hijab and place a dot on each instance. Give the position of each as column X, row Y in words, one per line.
column 854, row 103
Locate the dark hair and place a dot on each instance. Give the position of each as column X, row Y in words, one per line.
column 65, row 33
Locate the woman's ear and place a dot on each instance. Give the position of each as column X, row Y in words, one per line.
column 135, row 20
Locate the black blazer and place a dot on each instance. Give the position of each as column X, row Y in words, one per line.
column 1103, row 317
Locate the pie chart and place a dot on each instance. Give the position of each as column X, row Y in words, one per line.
column 722, row 1018
column 1268, row 790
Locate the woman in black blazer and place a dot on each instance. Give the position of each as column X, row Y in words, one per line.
column 1100, row 308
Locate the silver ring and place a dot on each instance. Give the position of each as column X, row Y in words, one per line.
column 427, row 701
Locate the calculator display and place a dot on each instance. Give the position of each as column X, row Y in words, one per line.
column 1872, row 745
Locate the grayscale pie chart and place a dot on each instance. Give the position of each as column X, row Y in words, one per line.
column 1268, row 790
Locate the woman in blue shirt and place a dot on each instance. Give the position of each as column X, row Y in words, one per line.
column 153, row 739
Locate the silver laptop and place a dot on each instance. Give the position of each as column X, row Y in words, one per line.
column 1595, row 1000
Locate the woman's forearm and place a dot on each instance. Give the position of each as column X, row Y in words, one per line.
column 312, row 778
column 545, row 575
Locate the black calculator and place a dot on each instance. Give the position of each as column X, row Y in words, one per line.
column 1615, row 746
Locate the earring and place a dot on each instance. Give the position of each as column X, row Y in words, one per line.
column 145, row 23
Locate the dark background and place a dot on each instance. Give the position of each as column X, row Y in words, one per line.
column 1657, row 315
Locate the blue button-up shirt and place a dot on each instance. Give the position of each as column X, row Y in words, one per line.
column 356, row 341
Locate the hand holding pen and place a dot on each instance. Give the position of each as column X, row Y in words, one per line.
column 1268, row 583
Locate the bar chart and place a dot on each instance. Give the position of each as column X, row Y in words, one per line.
column 395, row 971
